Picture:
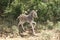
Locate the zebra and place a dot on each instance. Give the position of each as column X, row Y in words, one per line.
column 29, row 19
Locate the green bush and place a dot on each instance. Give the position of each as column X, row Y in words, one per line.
column 46, row 9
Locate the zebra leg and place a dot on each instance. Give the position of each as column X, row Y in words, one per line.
column 21, row 24
column 19, row 27
column 34, row 23
column 22, row 27
column 32, row 28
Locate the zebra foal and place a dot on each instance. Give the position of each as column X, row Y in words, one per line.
column 28, row 18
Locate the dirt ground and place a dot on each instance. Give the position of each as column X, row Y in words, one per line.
column 44, row 35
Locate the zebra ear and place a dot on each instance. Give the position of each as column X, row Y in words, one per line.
column 25, row 12
column 28, row 10
column 36, row 10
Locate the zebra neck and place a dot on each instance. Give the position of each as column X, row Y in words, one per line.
column 30, row 17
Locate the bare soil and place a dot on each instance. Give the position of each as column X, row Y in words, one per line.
column 44, row 35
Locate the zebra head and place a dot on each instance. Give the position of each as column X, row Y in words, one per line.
column 34, row 14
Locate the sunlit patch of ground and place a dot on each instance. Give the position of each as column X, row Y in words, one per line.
column 44, row 35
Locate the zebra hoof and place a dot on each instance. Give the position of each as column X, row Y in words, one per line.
column 35, row 34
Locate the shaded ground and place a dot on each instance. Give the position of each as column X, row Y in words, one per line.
column 44, row 35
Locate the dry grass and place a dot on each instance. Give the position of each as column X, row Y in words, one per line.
column 44, row 35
